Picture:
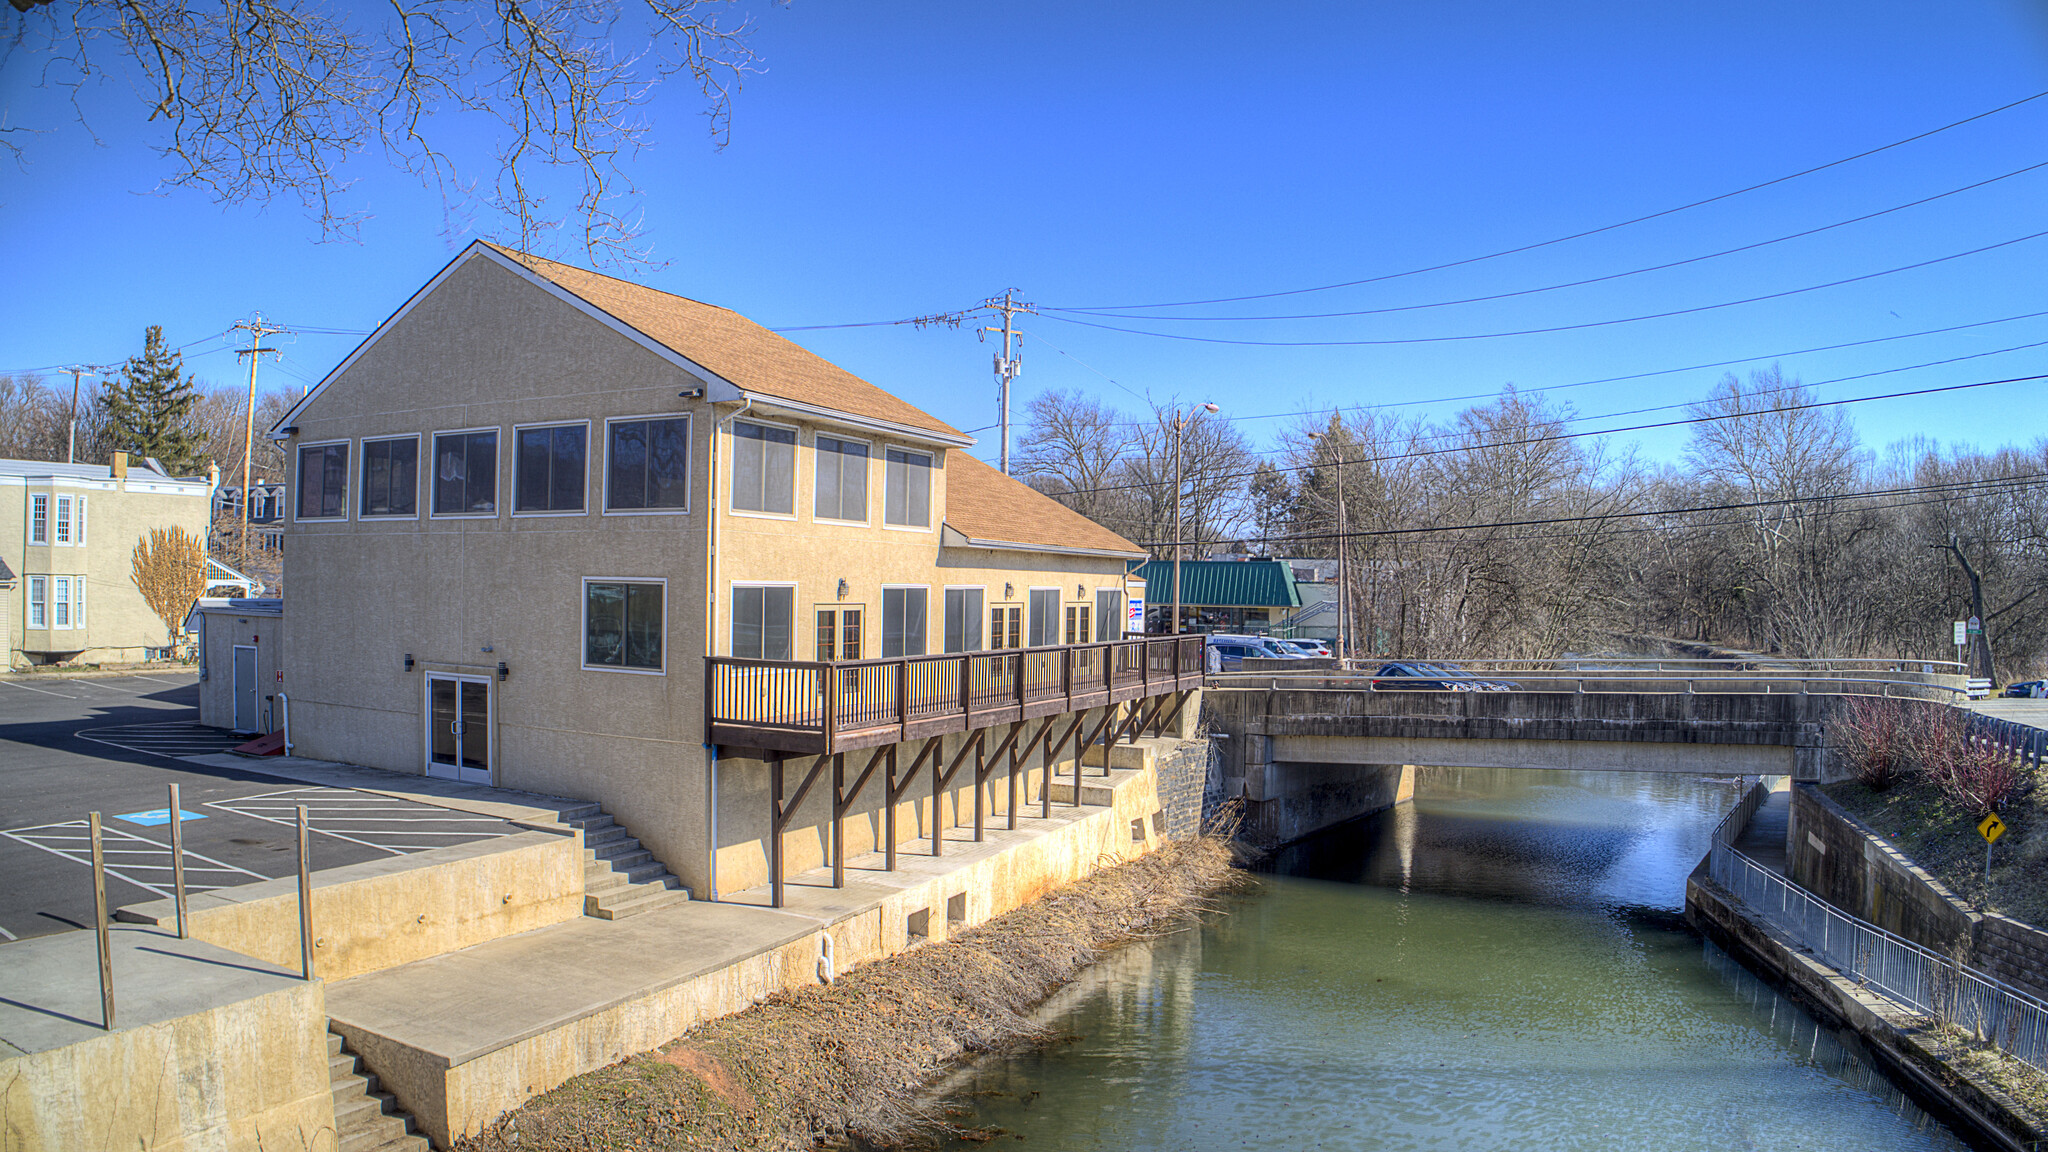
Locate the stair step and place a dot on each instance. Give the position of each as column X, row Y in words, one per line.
column 334, row 1043
column 362, row 1110
column 352, row 1084
column 599, row 885
column 579, row 812
column 620, row 854
column 598, row 837
column 642, row 873
column 373, row 1134
column 339, row 1063
column 648, row 901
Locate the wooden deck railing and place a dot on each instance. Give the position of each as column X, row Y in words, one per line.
column 818, row 707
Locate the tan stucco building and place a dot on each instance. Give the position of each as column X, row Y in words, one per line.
column 68, row 533
column 534, row 501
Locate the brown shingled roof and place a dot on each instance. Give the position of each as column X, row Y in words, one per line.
column 731, row 345
column 984, row 504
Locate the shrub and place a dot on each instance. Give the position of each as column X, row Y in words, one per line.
column 1877, row 737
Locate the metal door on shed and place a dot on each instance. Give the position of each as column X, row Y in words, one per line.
column 245, row 688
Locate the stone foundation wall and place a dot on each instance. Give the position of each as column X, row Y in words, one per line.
column 1190, row 788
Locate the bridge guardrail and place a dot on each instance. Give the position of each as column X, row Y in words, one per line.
column 1924, row 981
column 1619, row 682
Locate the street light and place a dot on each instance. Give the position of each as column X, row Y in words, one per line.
column 1180, row 422
column 1343, row 569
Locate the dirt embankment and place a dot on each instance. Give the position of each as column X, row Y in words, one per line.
column 851, row 1059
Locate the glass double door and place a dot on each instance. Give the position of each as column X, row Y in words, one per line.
column 459, row 728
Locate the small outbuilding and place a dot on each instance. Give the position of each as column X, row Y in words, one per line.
column 1220, row 595
column 241, row 650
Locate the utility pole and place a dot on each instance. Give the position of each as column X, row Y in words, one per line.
column 257, row 330
column 1343, row 566
column 71, row 442
column 1009, row 364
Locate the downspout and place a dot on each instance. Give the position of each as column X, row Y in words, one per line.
column 710, row 631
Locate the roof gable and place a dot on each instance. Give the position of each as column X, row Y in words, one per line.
column 985, row 505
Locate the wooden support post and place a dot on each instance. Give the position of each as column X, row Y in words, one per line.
column 985, row 765
column 305, row 901
column 889, row 813
column 1081, row 753
column 178, row 861
column 1052, row 753
column 99, row 924
column 838, row 820
column 940, row 781
column 775, row 831
column 898, row 790
column 980, row 781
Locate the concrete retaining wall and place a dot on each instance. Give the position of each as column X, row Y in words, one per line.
column 1843, row 861
column 383, row 913
column 249, row 1076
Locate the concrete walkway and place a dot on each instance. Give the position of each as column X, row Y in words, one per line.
column 1764, row 840
column 524, row 808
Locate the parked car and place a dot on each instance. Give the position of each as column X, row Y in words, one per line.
column 1230, row 652
column 1416, row 676
column 2027, row 689
column 1308, row 647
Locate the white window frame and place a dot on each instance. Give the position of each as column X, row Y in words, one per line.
column 299, row 483
column 882, row 636
column 796, row 465
column 38, row 602
column 583, row 511
column 62, row 534
column 864, row 522
column 78, row 520
column 60, row 603
column 980, row 616
column 730, row 600
column 604, row 505
column 433, row 457
column 931, row 510
column 419, row 478
column 39, row 519
column 583, row 623
column 78, row 602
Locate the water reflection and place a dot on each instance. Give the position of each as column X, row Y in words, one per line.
column 1499, row 964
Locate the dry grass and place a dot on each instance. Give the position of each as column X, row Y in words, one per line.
column 1941, row 836
column 2024, row 1085
column 850, row 1061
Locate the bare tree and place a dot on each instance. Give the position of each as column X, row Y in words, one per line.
column 269, row 98
column 1071, row 450
column 35, row 420
column 169, row 567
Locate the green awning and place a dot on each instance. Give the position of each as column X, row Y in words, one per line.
column 1222, row 583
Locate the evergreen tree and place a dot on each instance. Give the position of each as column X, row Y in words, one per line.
column 150, row 412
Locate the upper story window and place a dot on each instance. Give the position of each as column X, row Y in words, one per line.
column 842, row 480
column 622, row 624
column 64, row 520
column 761, row 616
column 323, row 481
column 907, row 489
column 466, row 473
column 391, row 477
column 550, row 465
column 1044, row 619
column 1109, row 615
column 647, row 465
column 763, row 468
column 39, row 519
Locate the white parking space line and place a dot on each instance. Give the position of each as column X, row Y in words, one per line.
column 166, row 739
column 9, row 935
column 44, row 691
column 158, row 680
column 129, row 857
column 385, row 823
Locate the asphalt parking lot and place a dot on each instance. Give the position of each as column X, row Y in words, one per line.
column 71, row 746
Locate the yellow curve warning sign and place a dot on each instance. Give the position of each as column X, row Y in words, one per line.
column 1991, row 828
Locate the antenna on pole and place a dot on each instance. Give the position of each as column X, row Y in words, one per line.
column 1009, row 363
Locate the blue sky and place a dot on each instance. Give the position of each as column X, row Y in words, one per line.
column 899, row 159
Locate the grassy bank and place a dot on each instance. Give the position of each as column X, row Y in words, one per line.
column 851, row 1059
column 1941, row 836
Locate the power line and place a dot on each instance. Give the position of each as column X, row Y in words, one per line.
column 1572, row 283
column 1590, row 432
column 2023, row 480
column 1590, row 231
column 1069, row 319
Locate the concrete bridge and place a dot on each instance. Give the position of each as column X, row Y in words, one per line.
column 1307, row 748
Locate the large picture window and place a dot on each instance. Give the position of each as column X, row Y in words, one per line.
column 761, row 621
column 963, row 619
column 1044, row 622
column 550, row 466
column 842, row 480
column 647, row 465
column 466, row 473
column 1109, row 614
column 763, row 468
column 903, row 617
column 323, row 481
column 907, row 489
column 622, row 624
column 391, row 479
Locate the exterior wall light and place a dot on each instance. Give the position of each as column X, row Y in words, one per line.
column 690, row 394
column 1009, row 591
column 504, row 673
column 1080, row 591
column 408, row 661
column 842, row 588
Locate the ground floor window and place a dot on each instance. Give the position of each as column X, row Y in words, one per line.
column 1045, row 617
column 1078, row 627
column 839, row 633
column 38, row 602
column 622, row 624
column 903, row 617
column 1109, row 613
column 761, row 621
column 1006, row 626
column 963, row 619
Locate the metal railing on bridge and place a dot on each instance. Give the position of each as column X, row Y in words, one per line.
column 1923, row 980
column 1904, row 679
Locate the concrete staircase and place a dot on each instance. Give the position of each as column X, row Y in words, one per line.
column 365, row 1120
column 620, row 878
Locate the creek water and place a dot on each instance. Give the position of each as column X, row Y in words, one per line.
column 1501, row 964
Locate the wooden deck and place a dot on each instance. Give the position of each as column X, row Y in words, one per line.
column 821, row 708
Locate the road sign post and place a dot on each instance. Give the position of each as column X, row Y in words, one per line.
column 1990, row 828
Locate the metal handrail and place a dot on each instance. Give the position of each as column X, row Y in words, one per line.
column 1589, row 683
column 1601, row 664
column 1924, row 981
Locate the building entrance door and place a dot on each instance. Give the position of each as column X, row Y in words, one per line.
column 459, row 728
column 245, row 688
